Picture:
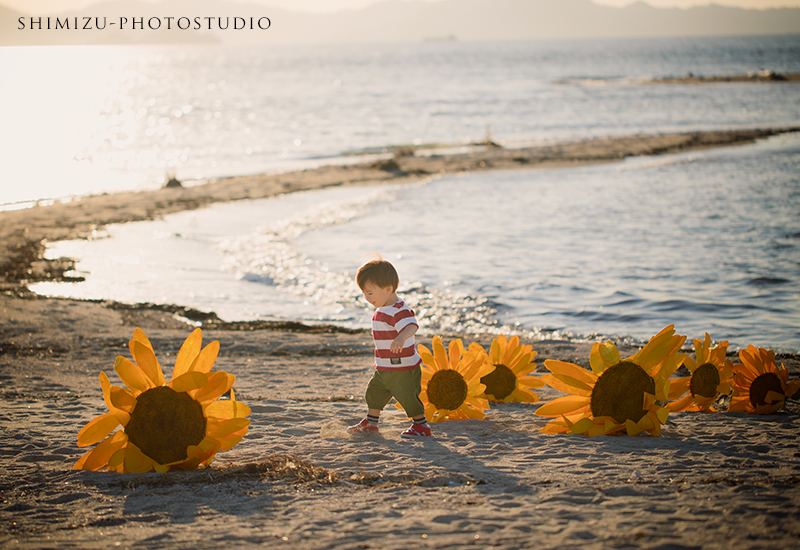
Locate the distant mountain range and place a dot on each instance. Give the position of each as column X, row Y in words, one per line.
column 387, row 21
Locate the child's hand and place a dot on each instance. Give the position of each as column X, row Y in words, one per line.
column 397, row 344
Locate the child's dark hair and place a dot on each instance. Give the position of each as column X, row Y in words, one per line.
column 378, row 272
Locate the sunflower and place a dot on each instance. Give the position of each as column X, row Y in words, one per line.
column 759, row 386
column 165, row 425
column 511, row 363
column 616, row 396
column 710, row 378
column 452, row 388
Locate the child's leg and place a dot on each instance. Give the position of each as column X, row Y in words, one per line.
column 406, row 390
column 377, row 396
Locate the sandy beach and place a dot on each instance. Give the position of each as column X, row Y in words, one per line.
column 725, row 480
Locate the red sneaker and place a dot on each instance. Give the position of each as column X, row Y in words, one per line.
column 416, row 430
column 364, row 427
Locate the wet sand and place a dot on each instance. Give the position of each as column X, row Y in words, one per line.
column 710, row 481
column 759, row 77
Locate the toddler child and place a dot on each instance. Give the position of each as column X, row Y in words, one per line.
column 397, row 363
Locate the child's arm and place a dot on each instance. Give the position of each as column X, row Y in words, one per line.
column 397, row 344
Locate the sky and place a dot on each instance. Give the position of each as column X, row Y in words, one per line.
column 43, row 7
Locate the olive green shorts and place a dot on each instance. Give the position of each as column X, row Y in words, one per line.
column 404, row 385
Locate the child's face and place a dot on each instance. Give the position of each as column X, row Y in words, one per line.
column 378, row 296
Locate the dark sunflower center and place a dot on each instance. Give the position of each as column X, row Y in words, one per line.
column 762, row 385
column 447, row 390
column 164, row 423
column 500, row 382
column 619, row 392
column 704, row 381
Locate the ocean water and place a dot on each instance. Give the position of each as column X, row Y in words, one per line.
column 84, row 120
column 709, row 241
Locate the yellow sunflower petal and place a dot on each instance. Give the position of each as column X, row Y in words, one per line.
column 122, row 416
column 521, row 395
column 507, row 347
column 427, row 358
column 656, row 431
column 669, row 365
column 531, row 381
column 571, row 370
column 117, row 461
column 477, row 369
column 682, row 404
column 678, row 387
column 597, row 429
column 430, row 410
column 188, row 353
column 136, row 462
column 141, row 337
column 229, row 441
column 474, row 414
column 524, row 368
column 98, row 457
column 581, row 426
column 769, row 409
column 222, row 428
column 131, row 375
column 553, row 428
column 558, row 382
column 122, row 399
column 218, row 385
column 513, row 355
column 97, row 429
column 774, row 397
column 204, row 362
column 202, row 453
column 562, row 405
column 744, row 375
column 147, row 361
column 611, row 425
column 440, row 354
column 633, row 428
column 748, row 357
column 660, row 346
column 495, row 351
column 702, row 348
column 227, row 409
column 189, row 381
column 603, row 356
column 477, row 402
column 455, row 353
column 739, row 404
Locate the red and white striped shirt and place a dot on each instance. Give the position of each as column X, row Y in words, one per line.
column 387, row 323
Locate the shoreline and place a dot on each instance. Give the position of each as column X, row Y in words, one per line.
column 24, row 234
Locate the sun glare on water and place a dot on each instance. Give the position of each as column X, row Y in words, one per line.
column 68, row 107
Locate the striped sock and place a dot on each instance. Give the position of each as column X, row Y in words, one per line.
column 373, row 420
column 423, row 422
